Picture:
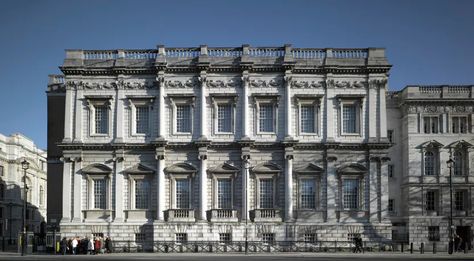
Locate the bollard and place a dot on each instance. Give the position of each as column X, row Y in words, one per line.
column 465, row 247
column 434, row 248
column 411, row 248
column 422, row 248
column 401, row 248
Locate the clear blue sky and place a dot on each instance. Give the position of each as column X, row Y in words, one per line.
column 428, row 42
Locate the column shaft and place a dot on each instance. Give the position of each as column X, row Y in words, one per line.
column 288, row 129
column 203, row 190
column 383, row 113
column 289, row 189
column 119, row 207
column 78, row 123
column 372, row 107
column 161, row 189
column 119, row 122
column 329, row 104
column 383, row 190
column 373, row 199
column 203, row 107
column 331, row 191
column 161, row 110
column 245, row 192
column 68, row 111
column 245, row 108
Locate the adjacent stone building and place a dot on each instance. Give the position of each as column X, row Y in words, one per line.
column 13, row 150
column 206, row 144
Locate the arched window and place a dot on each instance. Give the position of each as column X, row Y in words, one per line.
column 458, row 163
column 429, row 163
column 41, row 196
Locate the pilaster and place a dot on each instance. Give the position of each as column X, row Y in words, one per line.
column 160, row 158
column 383, row 110
column 373, row 187
column 161, row 105
column 289, row 184
column 203, row 183
column 331, row 189
column 372, row 108
column 245, row 106
column 329, row 105
column 119, row 184
column 245, row 183
column 120, row 107
column 77, row 194
column 288, row 114
column 68, row 115
column 66, row 197
column 203, row 107
column 78, row 130
column 384, row 189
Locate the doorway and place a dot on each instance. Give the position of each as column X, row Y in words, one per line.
column 465, row 233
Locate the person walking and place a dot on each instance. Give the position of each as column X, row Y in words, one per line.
column 90, row 246
column 74, row 245
column 64, row 246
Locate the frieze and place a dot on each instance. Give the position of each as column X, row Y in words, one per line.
column 120, row 84
column 193, row 82
column 345, row 84
column 223, row 84
column 307, row 84
column 266, row 83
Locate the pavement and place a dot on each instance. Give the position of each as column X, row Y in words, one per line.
column 240, row 256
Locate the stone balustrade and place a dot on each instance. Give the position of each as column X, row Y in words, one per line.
column 224, row 215
column 270, row 214
column 438, row 92
column 55, row 79
column 186, row 215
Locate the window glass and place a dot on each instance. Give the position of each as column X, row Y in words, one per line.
column 101, row 119
column 458, row 163
column 224, row 196
column 308, row 193
column 307, row 119
column 142, row 117
column 351, row 194
column 430, row 200
column 183, row 118
column 142, row 194
column 349, row 116
column 182, row 193
column 266, row 118
column 429, row 163
column 433, row 233
column 266, row 193
column 224, row 118
column 99, row 194
column 459, row 200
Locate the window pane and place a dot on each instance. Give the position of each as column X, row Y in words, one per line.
column 307, row 119
column 349, row 118
column 142, row 194
column 307, row 193
column 182, row 193
column 266, row 193
column 101, row 119
column 224, row 118
column 266, row 118
column 429, row 163
column 183, row 118
column 142, row 116
column 99, row 194
column 434, row 124
column 458, row 163
column 351, row 193
column 459, row 200
column 224, row 194
column 430, row 200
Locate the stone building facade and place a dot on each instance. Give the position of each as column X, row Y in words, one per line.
column 13, row 150
column 206, row 144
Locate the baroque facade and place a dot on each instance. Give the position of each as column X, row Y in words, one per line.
column 13, row 150
column 193, row 144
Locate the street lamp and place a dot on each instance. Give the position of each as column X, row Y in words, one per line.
column 450, row 163
column 24, row 165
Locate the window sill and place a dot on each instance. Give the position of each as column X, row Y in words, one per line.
column 99, row 135
column 140, row 135
column 182, row 133
column 350, row 135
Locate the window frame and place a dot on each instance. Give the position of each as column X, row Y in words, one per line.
column 464, row 200
column 358, row 194
column 358, row 104
column 459, row 128
column 135, row 102
column 181, row 238
column 431, row 206
column 181, row 100
column 218, row 100
column 316, row 182
column 266, row 99
column 430, row 117
column 92, row 103
column 315, row 103
column 91, row 178
column 433, row 233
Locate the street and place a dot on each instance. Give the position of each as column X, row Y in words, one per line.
column 236, row 257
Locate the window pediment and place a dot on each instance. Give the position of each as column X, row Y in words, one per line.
column 352, row 169
column 461, row 144
column 139, row 169
column 181, row 168
column 97, row 169
column 432, row 144
column 310, row 168
column 266, row 168
column 224, row 168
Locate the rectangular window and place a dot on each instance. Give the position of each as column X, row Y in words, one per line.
column 309, row 238
column 225, row 237
column 307, row 119
column 266, row 193
column 349, row 118
column 224, row 118
column 266, row 118
column 390, row 171
column 142, row 118
column 140, row 237
column 307, row 194
column 351, row 194
column 181, row 237
column 433, row 233
column 99, row 194
column 101, row 119
column 224, row 193
column 183, row 118
column 1, row 171
column 430, row 200
column 431, row 124
column 390, row 205
column 459, row 200
column 142, row 194
column 268, row 238
column 390, row 135
column 182, row 193
column 459, row 124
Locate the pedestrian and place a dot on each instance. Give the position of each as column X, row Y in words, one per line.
column 90, row 246
column 74, row 246
column 64, row 246
column 97, row 245
column 108, row 245
column 460, row 244
column 357, row 244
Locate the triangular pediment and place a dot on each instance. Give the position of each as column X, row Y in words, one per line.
column 181, row 168
column 139, row 169
column 353, row 168
column 97, row 169
column 432, row 144
column 266, row 167
column 309, row 168
column 462, row 144
column 224, row 168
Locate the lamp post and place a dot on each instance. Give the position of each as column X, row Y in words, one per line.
column 450, row 163
column 24, row 165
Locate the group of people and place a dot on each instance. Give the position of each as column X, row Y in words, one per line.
column 82, row 246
